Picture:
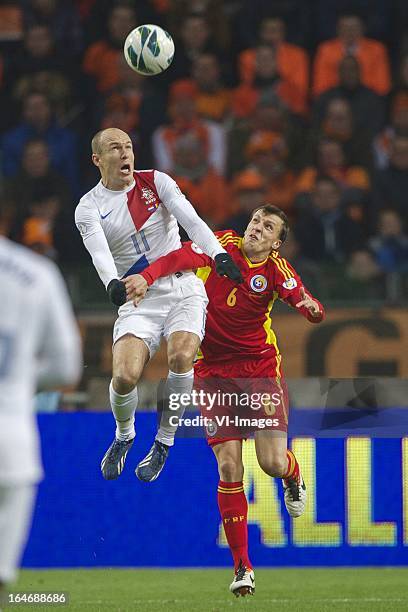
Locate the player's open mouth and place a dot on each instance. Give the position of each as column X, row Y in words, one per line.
column 125, row 169
column 253, row 236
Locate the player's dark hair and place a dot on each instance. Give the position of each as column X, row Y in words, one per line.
column 270, row 209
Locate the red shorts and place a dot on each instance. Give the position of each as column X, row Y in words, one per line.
column 239, row 398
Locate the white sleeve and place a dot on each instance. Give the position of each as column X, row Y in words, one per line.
column 60, row 353
column 90, row 228
column 178, row 205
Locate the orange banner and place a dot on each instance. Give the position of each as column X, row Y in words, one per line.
column 350, row 343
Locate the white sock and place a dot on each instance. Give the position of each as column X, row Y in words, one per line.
column 175, row 384
column 123, row 408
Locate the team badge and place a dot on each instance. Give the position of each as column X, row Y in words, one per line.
column 150, row 198
column 258, row 283
column 82, row 228
column 290, row 283
column 211, row 428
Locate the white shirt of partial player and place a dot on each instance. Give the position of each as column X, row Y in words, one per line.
column 40, row 349
column 115, row 245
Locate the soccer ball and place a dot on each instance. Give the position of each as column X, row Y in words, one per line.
column 149, row 50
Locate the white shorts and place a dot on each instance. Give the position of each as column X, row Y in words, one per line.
column 16, row 509
column 174, row 303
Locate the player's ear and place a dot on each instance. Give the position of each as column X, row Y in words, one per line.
column 277, row 244
column 95, row 159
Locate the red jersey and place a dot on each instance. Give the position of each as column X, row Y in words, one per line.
column 239, row 324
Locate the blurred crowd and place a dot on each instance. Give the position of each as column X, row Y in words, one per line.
column 303, row 104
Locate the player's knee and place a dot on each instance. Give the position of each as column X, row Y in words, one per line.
column 181, row 361
column 274, row 466
column 124, row 383
column 230, row 470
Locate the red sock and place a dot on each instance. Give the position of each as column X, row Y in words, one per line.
column 293, row 467
column 233, row 507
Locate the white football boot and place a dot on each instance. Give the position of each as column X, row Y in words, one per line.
column 244, row 581
column 295, row 495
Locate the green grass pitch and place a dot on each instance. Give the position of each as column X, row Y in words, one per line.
column 203, row 590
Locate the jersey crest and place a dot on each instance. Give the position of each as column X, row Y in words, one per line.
column 258, row 283
column 150, row 199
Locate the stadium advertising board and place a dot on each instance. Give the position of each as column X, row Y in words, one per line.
column 357, row 511
column 350, row 343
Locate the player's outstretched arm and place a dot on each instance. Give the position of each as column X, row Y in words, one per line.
column 310, row 307
column 292, row 291
column 176, row 203
column 187, row 258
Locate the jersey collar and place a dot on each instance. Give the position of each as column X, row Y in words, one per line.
column 113, row 191
column 249, row 262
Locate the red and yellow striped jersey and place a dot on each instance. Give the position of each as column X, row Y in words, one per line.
column 239, row 324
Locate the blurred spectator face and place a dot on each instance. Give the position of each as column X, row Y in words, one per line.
column 206, row 72
column 183, row 110
column 270, row 115
column 339, row 118
column 399, row 113
column 272, row 31
column 37, row 111
column 38, row 41
column 248, row 199
column 362, row 266
column 349, row 72
column 330, row 155
column 128, row 78
column 326, row 196
column 36, row 159
column 121, row 21
column 47, row 208
column 46, row 7
column 189, row 152
column 265, row 62
column 404, row 71
column 268, row 153
column 7, row 215
column 349, row 30
column 249, row 190
column 399, row 153
column 400, row 120
column 195, row 32
column 389, row 224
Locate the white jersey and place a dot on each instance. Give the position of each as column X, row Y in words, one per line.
column 39, row 349
column 125, row 231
